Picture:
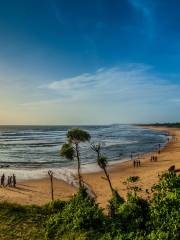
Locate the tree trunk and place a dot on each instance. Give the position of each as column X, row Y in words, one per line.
column 108, row 178
column 50, row 173
column 79, row 166
column 52, row 189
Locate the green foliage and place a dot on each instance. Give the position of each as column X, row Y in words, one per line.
column 67, row 151
column 133, row 214
column 114, row 203
column 131, row 186
column 81, row 218
column 165, row 205
column 169, row 181
column 135, row 189
column 21, row 222
column 81, row 214
column 54, row 206
column 78, row 135
column 133, row 179
column 70, row 150
column 102, row 161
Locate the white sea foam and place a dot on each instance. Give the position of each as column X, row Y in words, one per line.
column 31, row 151
column 66, row 174
column 108, row 143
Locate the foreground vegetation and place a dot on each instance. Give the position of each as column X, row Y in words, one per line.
column 81, row 218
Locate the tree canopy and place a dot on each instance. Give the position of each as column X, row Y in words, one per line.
column 77, row 135
column 67, row 151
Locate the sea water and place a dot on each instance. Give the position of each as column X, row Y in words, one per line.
column 29, row 151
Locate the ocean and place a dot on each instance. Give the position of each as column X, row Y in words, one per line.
column 30, row 151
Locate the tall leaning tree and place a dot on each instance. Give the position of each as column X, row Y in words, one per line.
column 70, row 150
column 102, row 162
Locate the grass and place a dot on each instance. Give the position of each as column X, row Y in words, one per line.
column 21, row 222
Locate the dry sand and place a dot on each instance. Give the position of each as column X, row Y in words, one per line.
column 38, row 191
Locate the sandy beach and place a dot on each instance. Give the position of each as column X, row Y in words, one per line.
column 38, row 191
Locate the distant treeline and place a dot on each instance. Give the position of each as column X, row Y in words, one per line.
column 173, row 125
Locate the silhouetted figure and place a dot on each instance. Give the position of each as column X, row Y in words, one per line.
column 2, row 180
column 14, row 180
column 139, row 163
column 159, row 148
column 134, row 163
column 8, row 181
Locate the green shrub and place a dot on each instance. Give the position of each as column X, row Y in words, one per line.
column 164, row 208
column 54, row 206
column 114, row 203
column 80, row 214
column 133, row 214
column 80, row 218
column 133, row 179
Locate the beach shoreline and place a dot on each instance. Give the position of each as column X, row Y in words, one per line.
column 65, row 173
column 37, row 191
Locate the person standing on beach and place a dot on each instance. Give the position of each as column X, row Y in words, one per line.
column 2, row 180
column 159, row 148
column 134, row 163
column 14, row 180
column 8, row 181
column 138, row 163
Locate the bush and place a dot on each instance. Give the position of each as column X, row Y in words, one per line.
column 164, row 210
column 133, row 214
column 54, row 206
column 80, row 214
column 81, row 218
column 114, row 203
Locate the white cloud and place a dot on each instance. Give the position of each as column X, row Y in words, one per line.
column 132, row 82
column 128, row 93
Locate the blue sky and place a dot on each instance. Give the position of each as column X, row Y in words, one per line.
column 89, row 62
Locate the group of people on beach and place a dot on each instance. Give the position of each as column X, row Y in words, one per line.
column 174, row 138
column 10, row 182
column 136, row 163
column 153, row 158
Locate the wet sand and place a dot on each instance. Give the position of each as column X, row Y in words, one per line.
column 38, row 191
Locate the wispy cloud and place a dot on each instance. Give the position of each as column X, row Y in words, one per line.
column 127, row 93
column 132, row 82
